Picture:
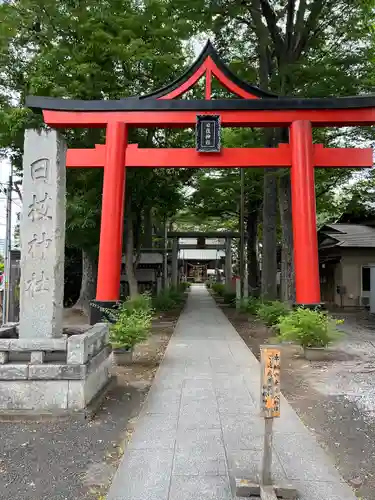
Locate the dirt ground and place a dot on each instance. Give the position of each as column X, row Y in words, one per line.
column 335, row 398
column 70, row 459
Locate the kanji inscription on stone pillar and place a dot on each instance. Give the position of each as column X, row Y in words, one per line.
column 43, row 235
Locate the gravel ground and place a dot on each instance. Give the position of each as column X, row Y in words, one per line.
column 335, row 398
column 65, row 460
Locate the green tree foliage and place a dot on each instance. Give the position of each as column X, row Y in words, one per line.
column 112, row 49
column 310, row 48
column 88, row 50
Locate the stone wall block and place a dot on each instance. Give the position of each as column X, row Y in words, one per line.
column 77, row 354
column 45, row 372
column 57, row 372
column 34, row 395
column 14, row 371
column 74, row 372
column 97, row 360
column 82, row 347
column 4, row 357
column 76, row 394
column 4, row 345
column 37, row 344
column 37, row 357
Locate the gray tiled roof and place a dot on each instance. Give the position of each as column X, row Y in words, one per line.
column 351, row 235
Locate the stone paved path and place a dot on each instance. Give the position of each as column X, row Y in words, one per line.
column 200, row 425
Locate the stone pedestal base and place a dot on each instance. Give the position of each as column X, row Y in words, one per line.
column 46, row 375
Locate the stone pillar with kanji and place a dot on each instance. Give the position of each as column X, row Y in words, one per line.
column 43, row 235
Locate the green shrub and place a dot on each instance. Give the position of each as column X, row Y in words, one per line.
column 177, row 295
column 250, row 305
column 229, row 297
column 309, row 328
column 132, row 326
column 271, row 312
column 130, row 322
column 218, row 288
column 163, row 302
column 184, row 285
column 140, row 302
column 168, row 299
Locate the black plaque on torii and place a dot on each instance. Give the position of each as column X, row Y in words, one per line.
column 208, row 134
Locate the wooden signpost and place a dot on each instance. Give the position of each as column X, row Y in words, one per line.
column 270, row 408
column 270, row 403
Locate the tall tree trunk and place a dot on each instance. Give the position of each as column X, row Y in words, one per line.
column 269, row 224
column 88, row 283
column 269, row 240
column 252, row 259
column 147, row 225
column 287, row 282
column 129, row 255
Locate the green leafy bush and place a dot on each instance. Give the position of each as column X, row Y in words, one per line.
column 168, row 299
column 183, row 286
column 218, row 288
column 141, row 302
column 270, row 313
column 130, row 322
column 309, row 328
column 250, row 305
column 163, row 302
column 177, row 295
column 229, row 297
column 132, row 326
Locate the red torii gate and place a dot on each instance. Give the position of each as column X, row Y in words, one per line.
column 255, row 108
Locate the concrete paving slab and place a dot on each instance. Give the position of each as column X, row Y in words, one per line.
column 235, row 405
column 200, row 452
column 248, row 463
column 200, row 487
column 163, row 402
column 146, row 478
column 201, row 423
column 302, row 459
column 154, row 432
column 199, row 418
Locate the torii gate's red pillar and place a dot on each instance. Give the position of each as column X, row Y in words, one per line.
column 306, row 260
column 112, row 227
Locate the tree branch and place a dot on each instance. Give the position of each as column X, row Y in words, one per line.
column 248, row 23
column 289, row 24
column 310, row 27
column 300, row 20
column 263, row 43
column 328, row 187
column 274, row 30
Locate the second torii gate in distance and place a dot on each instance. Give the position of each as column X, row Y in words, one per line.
column 253, row 108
